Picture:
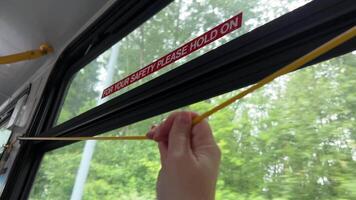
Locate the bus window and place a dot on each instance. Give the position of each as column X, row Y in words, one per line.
column 293, row 139
column 175, row 25
column 4, row 136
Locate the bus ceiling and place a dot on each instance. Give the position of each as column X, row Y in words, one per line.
column 25, row 25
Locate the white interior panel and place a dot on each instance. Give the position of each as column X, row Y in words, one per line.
column 25, row 24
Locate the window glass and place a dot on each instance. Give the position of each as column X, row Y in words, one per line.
column 175, row 25
column 4, row 137
column 293, row 139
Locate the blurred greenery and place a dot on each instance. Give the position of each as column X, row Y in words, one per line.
column 4, row 136
column 293, row 139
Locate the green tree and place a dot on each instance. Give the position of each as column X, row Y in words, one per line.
column 293, row 139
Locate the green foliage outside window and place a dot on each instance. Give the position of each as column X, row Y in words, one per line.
column 175, row 25
column 293, row 139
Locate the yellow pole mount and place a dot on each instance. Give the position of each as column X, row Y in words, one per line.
column 44, row 49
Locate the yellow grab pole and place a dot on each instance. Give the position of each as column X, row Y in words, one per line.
column 28, row 55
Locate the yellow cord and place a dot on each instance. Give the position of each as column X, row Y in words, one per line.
column 286, row 69
column 28, row 55
column 85, row 138
column 349, row 34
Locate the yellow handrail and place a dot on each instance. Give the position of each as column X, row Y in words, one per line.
column 44, row 49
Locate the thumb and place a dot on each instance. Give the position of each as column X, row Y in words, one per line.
column 179, row 135
column 203, row 140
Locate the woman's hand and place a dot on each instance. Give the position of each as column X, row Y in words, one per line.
column 190, row 158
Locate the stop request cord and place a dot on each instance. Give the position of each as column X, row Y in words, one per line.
column 331, row 44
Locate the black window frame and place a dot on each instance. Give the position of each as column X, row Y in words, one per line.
column 236, row 64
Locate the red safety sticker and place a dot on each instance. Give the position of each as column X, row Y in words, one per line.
column 186, row 49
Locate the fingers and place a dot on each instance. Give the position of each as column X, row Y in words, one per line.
column 163, row 148
column 202, row 135
column 176, row 135
column 179, row 135
column 161, row 132
column 203, row 142
column 151, row 132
